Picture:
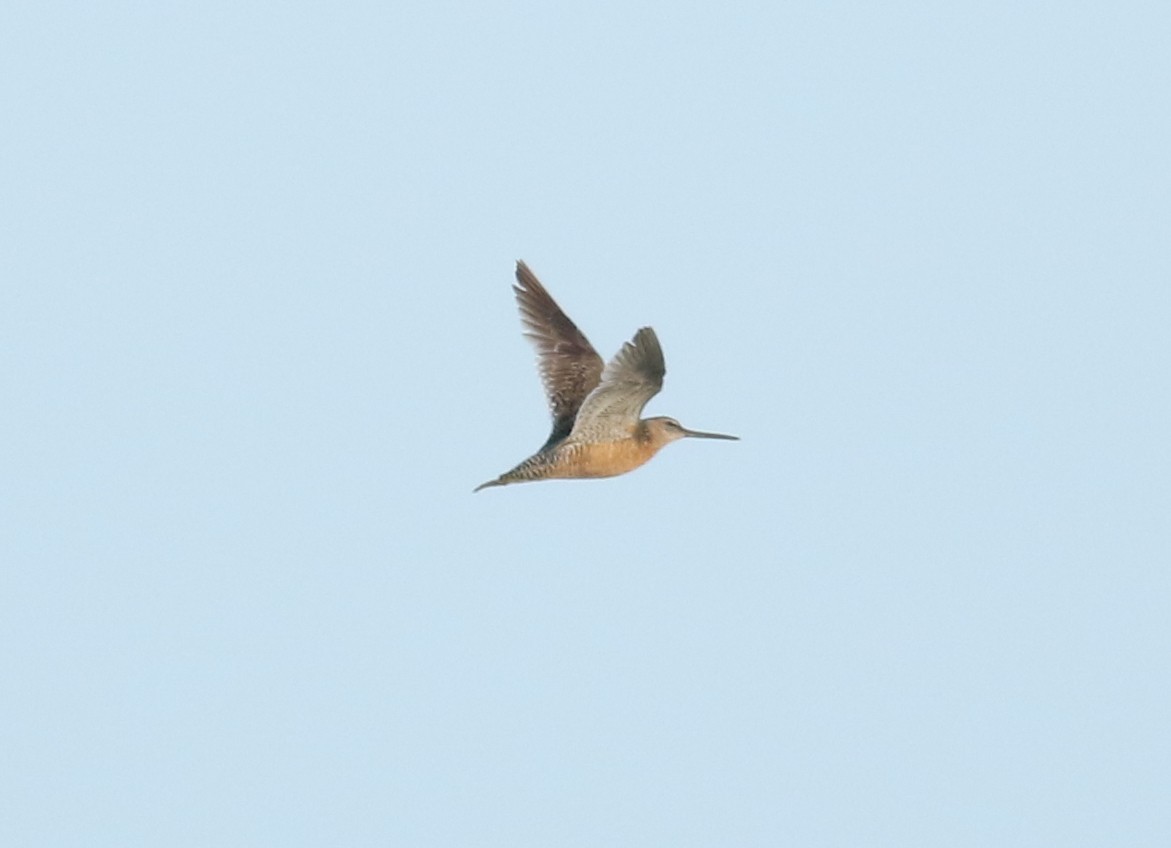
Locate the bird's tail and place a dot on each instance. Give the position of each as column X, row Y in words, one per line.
column 536, row 467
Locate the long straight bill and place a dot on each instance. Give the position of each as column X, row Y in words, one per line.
column 697, row 434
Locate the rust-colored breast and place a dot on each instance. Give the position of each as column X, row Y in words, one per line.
column 603, row 460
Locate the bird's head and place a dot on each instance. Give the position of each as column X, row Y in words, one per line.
column 663, row 430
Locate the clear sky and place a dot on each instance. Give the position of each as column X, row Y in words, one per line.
column 258, row 346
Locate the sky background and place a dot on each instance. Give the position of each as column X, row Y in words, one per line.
column 258, row 344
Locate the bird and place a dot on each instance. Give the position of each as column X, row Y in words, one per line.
column 597, row 428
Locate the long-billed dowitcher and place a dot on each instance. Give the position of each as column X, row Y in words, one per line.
column 597, row 431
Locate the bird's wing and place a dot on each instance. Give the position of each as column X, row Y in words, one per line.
column 631, row 378
column 570, row 367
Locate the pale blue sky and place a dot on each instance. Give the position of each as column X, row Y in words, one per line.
column 259, row 345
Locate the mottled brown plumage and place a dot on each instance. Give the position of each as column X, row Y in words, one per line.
column 570, row 367
column 597, row 431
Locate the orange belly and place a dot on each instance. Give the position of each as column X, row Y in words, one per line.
column 601, row 460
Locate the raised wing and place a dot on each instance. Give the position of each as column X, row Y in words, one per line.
column 632, row 377
column 570, row 367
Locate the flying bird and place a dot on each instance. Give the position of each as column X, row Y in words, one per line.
column 597, row 431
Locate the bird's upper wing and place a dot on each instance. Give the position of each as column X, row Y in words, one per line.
column 631, row 378
column 570, row 367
